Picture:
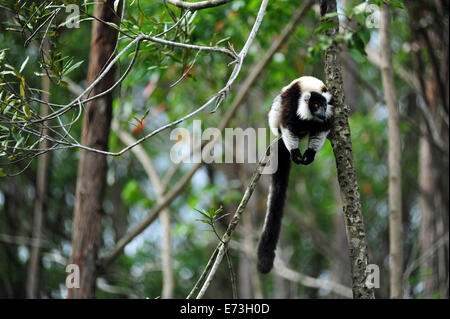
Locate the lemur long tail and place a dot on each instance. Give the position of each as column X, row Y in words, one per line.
column 274, row 214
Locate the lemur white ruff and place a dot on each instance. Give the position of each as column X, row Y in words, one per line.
column 303, row 108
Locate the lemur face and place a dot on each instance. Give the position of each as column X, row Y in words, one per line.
column 317, row 104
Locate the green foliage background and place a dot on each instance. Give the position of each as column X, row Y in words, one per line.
column 312, row 194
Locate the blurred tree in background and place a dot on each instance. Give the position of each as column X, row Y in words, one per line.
column 159, row 83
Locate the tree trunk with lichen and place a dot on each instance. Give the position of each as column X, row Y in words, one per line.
column 91, row 180
column 340, row 139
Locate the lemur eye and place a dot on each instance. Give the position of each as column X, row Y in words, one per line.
column 316, row 106
column 324, row 89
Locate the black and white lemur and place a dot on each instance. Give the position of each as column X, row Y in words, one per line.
column 303, row 108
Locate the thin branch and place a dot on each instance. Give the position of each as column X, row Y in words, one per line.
column 283, row 271
column 23, row 240
column 65, row 108
column 232, row 274
column 187, row 70
column 227, row 52
column 216, row 98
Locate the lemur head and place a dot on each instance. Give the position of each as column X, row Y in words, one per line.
column 317, row 104
column 315, row 101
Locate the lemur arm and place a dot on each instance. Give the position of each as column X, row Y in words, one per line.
column 291, row 141
column 315, row 143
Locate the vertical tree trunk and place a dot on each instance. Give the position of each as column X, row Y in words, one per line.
column 427, row 234
column 166, row 245
column 340, row 138
column 91, row 180
column 395, row 158
column 432, row 71
column 40, row 202
column 166, row 252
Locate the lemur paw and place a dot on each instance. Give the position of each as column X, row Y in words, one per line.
column 308, row 157
column 296, row 156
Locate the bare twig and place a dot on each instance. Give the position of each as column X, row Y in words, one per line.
column 232, row 274
column 23, row 240
column 227, row 52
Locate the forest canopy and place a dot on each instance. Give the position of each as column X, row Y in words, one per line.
column 133, row 139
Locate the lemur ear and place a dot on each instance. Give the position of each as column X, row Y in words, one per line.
column 306, row 96
column 327, row 95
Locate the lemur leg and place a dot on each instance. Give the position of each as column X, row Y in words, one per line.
column 315, row 143
column 291, row 141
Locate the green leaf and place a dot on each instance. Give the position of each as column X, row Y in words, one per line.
column 329, row 15
column 22, row 87
column 73, row 67
column 12, row 157
column 2, row 54
column 18, row 143
column 145, row 114
column 202, row 212
column 218, row 211
column 358, row 44
column 397, row 4
column 26, row 111
column 325, row 26
column 24, row 64
column 15, row 71
column 131, row 193
column 131, row 18
column 204, row 221
column 135, row 118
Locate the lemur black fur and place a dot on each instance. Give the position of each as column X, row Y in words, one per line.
column 303, row 109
